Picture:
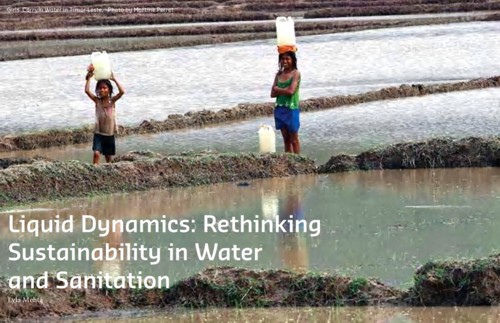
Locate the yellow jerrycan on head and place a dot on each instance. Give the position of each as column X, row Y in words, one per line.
column 102, row 65
column 285, row 33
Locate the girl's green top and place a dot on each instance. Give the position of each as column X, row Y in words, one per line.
column 292, row 101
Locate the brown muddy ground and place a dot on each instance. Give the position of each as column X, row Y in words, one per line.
column 241, row 112
column 18, row 14
column 39, row 43
column 434, row 153
column 234, row 287
column 302, row 28
column 462, row 283
column 25, row 180
column 221, row 287
column 401, row 8
column 46, row 180
column 7, row 162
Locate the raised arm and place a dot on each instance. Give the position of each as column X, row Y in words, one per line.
column 290, row 90
column 121, row 91
column 91, row 95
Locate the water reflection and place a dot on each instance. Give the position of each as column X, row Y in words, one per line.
column 111, row 264
column 367, row 226
column 270, row 205
column 417, row 183
column 337, row 314
column 293, row 246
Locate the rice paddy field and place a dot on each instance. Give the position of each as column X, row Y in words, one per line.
column 378, row 76
column 50, row 14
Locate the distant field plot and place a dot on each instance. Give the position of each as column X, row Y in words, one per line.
column 21, row 14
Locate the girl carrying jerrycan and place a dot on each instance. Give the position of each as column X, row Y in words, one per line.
column 286, row 86
column 286, row 91
column 105, row 123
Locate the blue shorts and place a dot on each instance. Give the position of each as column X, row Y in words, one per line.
column 104, row 144
column 286, row 118
column 291, row 216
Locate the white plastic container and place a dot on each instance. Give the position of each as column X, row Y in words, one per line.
column 285, row 31
column 267, row 139
column 102, row 65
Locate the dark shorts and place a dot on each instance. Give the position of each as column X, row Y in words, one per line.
column 286, row 118
column 104, row 144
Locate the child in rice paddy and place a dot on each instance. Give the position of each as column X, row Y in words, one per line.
column 105, row 123
column 286, row 91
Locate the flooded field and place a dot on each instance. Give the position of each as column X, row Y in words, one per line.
column 52, row 95
column 372, row 224
column 344, row 130
column 331, row 315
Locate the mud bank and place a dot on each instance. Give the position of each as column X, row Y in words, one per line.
column 13, row 16
column 241, row 112
column 463, row 283
column 302, row 28
column 44, row 180
column 7, row 162
column 147, row 170
column 434, row 153
column 41, row 44
column 234, row 287
column 214, row 287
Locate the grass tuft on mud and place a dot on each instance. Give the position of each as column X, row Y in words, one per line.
column 434, row 153
column 457, row 283
column 24, row 180
column 237, row 287
column 462, row 283
column 217, row 286
column 135, row 171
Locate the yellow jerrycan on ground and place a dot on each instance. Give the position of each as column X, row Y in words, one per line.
column 267, row 139
column 102, row 65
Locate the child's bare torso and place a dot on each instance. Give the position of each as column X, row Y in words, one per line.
column 105, row 117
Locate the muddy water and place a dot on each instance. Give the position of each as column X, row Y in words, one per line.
column 344, row 130
column 48, row 93
column 373, row 224
column 339, row 314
